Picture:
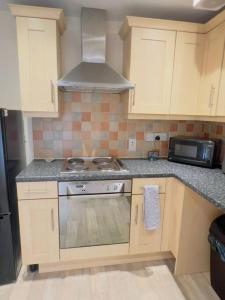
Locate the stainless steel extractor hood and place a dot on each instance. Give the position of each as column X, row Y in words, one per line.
column 93, row 74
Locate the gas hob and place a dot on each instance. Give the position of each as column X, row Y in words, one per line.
column 92, row 164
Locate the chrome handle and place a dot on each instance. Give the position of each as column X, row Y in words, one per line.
column 211, row 96
column 136, row 215
column 132, row 99
column 98, row 196
column 133, row 102
column 52, row 219
column 52, row 92
column 143, row 210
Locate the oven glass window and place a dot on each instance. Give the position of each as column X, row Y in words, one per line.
column 94, row 220
column 186, row 150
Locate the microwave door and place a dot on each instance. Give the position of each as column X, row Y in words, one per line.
column 186, row 150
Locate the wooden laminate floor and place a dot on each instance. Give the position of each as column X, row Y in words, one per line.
column 139, row 281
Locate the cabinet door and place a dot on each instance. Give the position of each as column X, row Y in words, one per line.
column 141, row 240
column 152, row 56
column 172, row 215
column 211, row 71
column 187, row 73
column 38, row 64
column 220, row 108
column 39, row 230
column 193, row 251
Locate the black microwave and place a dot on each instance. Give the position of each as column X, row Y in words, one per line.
column 195, row 151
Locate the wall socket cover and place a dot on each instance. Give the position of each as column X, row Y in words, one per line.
column 131, row 145
column 150, row 137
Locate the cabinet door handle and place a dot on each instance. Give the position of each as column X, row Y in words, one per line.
column 133, row 100
column 52, row 220
column 136, row 215
column 211, row 97
column 52, row 92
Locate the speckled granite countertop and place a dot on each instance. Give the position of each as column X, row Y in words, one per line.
column 209, row 183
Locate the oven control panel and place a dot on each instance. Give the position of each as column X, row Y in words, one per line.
column 94, row 187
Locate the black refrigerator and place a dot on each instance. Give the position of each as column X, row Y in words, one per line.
column 12, row 161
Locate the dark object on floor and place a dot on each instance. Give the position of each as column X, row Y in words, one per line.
column 217, row 255
column 33, row 268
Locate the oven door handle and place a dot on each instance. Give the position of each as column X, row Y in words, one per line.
column 94, row 196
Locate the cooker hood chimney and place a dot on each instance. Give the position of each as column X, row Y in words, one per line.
column 93, row 74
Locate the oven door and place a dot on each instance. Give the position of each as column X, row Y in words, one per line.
column 92, row 220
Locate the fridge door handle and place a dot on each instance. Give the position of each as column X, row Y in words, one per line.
column 4, row 215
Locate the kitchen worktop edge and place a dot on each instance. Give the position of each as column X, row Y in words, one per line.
column 209, row 183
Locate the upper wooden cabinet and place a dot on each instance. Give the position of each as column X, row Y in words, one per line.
column 220, row 107
column 187, row 74
column 176, row 68
column 151, row 65
column 209, row 87
column 38, row 39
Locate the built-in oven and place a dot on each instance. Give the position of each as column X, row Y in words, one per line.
column 94, row 213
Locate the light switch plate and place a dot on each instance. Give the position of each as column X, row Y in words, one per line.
column 132, row 145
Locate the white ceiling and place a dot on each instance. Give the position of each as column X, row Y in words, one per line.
column 117, row 9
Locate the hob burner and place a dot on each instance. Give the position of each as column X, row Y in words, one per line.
column 92, row 164
column 75, row 160
column 102, row 160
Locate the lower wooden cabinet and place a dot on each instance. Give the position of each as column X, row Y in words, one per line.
column 182, row 234
column 193, row 250
column 185, row 221
column 39, row 230
column 142, row 240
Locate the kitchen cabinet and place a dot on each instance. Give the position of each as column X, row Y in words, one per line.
column 149, row 65
column 176, row 68
column 188, row 63
column 38, row 41
column 185, row 218
column 212, row 65
column 142, row 240
column 39, row 231
column 37, row 190
column 220, row 108
column 193, row 250
column 172, row 215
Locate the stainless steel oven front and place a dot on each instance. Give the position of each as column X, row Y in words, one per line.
column 93, row 213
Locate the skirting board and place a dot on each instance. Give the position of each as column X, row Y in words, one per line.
column 81, row 264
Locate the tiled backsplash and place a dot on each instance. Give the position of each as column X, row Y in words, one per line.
column 94, row 124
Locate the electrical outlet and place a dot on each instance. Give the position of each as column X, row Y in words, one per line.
column 163, row 136
column 150, row 137
column 132, row 145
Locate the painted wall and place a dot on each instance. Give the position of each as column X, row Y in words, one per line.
column 9, row 78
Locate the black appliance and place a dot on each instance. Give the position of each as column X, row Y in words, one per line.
column 12, row 161
column 195, row 151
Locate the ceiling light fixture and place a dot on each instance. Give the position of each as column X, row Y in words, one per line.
column 208, row 4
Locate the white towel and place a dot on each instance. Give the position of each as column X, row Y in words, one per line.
column 151, row 207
